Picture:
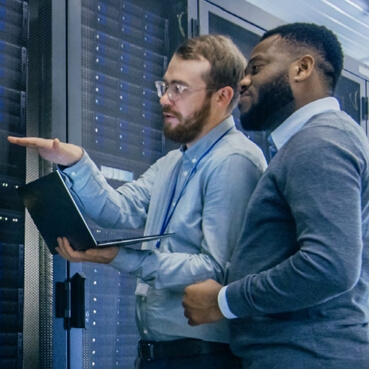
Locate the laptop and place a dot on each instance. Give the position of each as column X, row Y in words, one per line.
column 56, row 214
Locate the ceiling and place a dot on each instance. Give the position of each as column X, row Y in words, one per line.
column 349, row 19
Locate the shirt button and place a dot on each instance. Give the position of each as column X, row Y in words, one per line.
column 73, row 174
column 194, row 160
column 185, row 173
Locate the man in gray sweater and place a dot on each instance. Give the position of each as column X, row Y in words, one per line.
column 298, row 290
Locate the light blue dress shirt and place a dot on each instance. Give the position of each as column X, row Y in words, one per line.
column 280, row 136
column 206, row 221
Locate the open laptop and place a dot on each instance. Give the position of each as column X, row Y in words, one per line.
column 56, row 214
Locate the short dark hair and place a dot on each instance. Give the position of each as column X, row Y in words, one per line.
column 316, row 38
column 227, row 63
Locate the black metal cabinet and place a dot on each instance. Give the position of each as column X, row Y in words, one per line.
column 13, row 72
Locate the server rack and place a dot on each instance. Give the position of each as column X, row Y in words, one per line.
column 124, row 52
column 13, row 72
column 125, row 47
column 92, row 65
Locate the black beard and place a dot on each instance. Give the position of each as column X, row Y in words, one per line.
column 274, row 104
column 190, row 128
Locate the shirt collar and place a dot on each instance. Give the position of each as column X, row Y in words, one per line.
column 298, row 119
column 200, row 147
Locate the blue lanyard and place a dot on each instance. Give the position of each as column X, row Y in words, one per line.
column 169, row 213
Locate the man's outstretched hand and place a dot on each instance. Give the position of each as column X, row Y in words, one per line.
column 51, row 150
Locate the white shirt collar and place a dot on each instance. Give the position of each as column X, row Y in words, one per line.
column 297, row 120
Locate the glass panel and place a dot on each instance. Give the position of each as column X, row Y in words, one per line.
column 125, row 47
column 245, row 40
column 348, row 94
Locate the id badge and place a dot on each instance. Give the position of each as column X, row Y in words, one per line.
column 142, row 289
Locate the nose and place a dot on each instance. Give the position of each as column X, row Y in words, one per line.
column 245, row 83
column 165, row 100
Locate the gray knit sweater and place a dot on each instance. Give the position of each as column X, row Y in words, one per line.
column 299, row 279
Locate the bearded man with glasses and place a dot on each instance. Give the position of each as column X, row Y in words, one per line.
column 198, row 192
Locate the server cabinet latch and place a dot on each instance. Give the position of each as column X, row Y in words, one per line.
column 195, row 31
column 71, row 303
column 365, row 107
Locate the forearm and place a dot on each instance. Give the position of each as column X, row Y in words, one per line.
column 172, row 271
column 96, row 198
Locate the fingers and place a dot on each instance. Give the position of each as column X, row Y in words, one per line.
column 190, row 320
column 66, row 251
column 51, row 149
column 56, row 145
column 192, row 314
column 96, row 255
column 200, row 303
column 31, row 142
column 200, row 316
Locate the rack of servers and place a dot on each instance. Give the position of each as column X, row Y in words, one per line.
column 95, row 88
column 13, row 90
column 84, row 71
column 124, row 51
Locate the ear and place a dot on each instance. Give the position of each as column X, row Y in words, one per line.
column 224, row 96
column 303, row 67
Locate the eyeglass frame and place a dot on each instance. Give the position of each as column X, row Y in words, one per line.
column 160, row 85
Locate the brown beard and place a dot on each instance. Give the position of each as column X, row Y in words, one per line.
column 189, row 128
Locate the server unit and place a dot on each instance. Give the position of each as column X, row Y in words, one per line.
column 124, row 50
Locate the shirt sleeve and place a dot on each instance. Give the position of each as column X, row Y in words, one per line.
column 109, row 209
column 223, row 304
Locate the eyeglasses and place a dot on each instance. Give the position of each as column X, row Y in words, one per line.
column 175, row 90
